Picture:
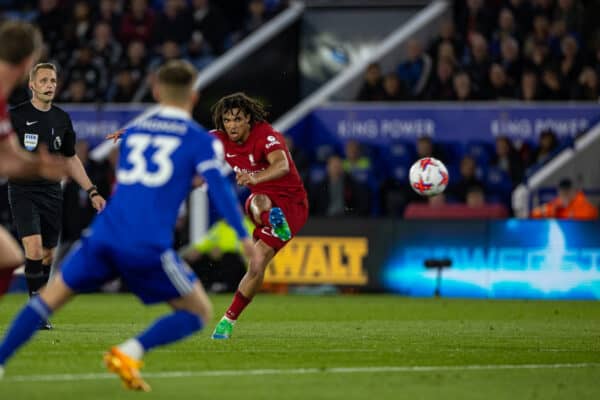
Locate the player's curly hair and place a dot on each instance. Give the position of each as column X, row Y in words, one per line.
column 248, row 105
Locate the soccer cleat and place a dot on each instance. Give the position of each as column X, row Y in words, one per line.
column 46, row 325
column 127, row 368
column 223, row 329
column 281, row 229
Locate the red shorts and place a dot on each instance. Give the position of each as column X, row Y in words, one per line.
column 296, row 214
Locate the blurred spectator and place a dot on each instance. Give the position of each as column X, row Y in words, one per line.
column 459, row 186
column 300, row 158
column 499, row 88
column 463, row 90
column 475, row 17
column 573, row 14
column 479, row 62
column 529, row 90
column 138, row 23
column 355, row 162
column 77, row 92
column 135, row 62
column 537, row 57
column 82, row 22
column 123, row 88
column 587, row 87
column 506, row 28
column 169, row 50
column 372, row 88
column 447, row 35
column 198, row 51
column 441, row 86
column 510, row 58
column 475, row 197
column 393, row 90
column 86, row 68
column 426, row 148
column 415, row 71
column 569, row 204
column 173, row 23
column 109, row 12
column 551, row 87
column 437, row 201
column 548, row 143
column 522, row 12
column 508, row 160
column 571, row 62
column 255, row 18
column 51, row 21
column 104, row 46
column 210, row 22
column 338, row 194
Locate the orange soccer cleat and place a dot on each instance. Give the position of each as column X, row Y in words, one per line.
column 127, row 368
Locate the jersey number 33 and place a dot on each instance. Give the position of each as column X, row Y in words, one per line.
column 137, row 145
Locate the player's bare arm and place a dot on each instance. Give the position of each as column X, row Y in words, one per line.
column 77, row 172
column 278, row 166
column 18, row 163
column 114, row 136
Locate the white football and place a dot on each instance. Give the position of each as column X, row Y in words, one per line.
column 428, row 176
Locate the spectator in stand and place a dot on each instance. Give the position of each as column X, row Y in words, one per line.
column 475, row 197
column 572, row 12
column 300, row 158
column 81, row 22
column 475, row 17
column 77, row 92
column 529, row 90
column 499, row 88
column 551, row 87
column 460, row 185
column 169, row 50
column 105, row 47
column 548, row 143
column 447, row 35
column 109, row 12
column 571, row 61
column 355, row 163
column 587, row 87
column 508, row 160
column 510, row 58
column 338, row 194
column 537, row 57
column 393, row 89
column 138, row 23
column 372, row 88
column 50, row 20
column 415, row 71
column 569, row 204
column 441, row 86
column 173, row 23
column 199, row 51
column 523, row 13
column 463, row 90
column 136, row 62
column 255, row 18
column 426, row 148
column 208, row 20
column 85, row 67
column 478, row 64
column 543, row 7
column 123, row 88
column 506, row 28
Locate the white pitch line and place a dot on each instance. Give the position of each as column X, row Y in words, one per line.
column 297, row 371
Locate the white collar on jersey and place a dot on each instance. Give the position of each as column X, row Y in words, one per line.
column 173, row 112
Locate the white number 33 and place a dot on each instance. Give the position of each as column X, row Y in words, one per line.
column 137, row 143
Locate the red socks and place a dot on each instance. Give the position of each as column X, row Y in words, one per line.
column 264, row 218
column 6, row 276
column 237, row 305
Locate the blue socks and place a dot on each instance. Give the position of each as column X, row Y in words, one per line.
column 169, row 329
column 25, row 324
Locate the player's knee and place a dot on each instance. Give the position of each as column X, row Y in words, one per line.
column 47, row 259
column 256, row 271
column 261, row 202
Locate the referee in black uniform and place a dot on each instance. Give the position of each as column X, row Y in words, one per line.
column 36, row 203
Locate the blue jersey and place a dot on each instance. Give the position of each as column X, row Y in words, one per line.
column 159, row 156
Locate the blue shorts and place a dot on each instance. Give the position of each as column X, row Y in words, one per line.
column 153, row 274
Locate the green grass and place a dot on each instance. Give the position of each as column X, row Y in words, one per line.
column 294, row 332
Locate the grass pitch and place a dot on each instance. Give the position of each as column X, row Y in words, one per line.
column 338, row 347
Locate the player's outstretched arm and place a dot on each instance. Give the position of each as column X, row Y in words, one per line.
column 278, row 167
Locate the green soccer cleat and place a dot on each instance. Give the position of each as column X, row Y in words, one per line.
column 281, row 229
column 223, row 329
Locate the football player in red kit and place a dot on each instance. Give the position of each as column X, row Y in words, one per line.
column 277, row 204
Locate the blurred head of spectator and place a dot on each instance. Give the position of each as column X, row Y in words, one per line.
column 529, row 86
column 475, row 197
column 446, row 50
column 587, row 85
column 447, row 30
column 468, row 168
column 414, row 50
column 500, row 87
column 372, row 88
column 124, row 87
column 136, row 52
column 335, row 168
column 355, row 161
column 462, row 87
column 506, row 22
column 479, row 48
column 424, row 147
column 508, row 160
column 538, row 55
column 509, row 50
column 437, row 201
column 548, row 142
column 552, row 88
column 169, row 51
column 541, row 29
column 77, row 92
column 569, row 47
column 393, row 89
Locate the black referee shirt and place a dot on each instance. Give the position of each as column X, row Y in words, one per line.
column 34, row 127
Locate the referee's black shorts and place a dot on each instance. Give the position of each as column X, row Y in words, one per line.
column 37, row 209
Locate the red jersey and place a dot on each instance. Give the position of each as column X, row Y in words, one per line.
column 5, row 126
column 251, row 157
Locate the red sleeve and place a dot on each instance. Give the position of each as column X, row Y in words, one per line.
column 6, row 128
column 269, row 139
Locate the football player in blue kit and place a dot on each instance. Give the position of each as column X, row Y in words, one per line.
column 160, row 155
